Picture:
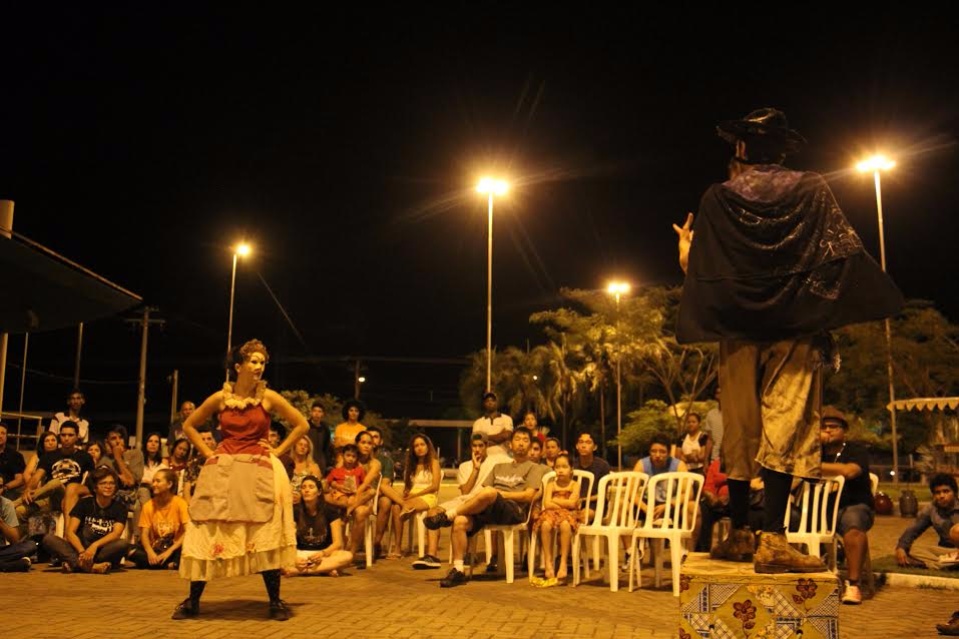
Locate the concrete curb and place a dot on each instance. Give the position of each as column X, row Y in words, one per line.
column 919, row 581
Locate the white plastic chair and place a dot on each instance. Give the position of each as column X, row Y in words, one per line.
column 615, row 516
column 676, row 524
column 370, row 527
column 817, row 522
column 509, row 537
column 873, row 483
column 581, row 476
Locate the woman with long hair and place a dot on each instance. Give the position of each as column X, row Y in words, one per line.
column 47, row 442
column 242, row 506
column 319, row 533
column 162, row 525
column 303, row 464
column 421, row 484
column 153, row 461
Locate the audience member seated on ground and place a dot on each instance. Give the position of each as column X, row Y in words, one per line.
column 344, row 481
column 12, row 466
column 351, row 426
column 93, row 534
column 551, row 450
column 152, row 462
column 14, row 550
column 162, row 525
column 587, row 460
column 470, row 477
column 421, row 485
column 128, row 465
column 507, row 493
column 319, row 534
column 388, row 494
column 195, row 465
column 696, row 448
column 856, row 511
column 303, row 464
column 536, row 451
column 942, row 515
column 372, row 472
column 59, row 474
column 75, row 402
column 531, row 422
column 95, row 451
column 560, row 514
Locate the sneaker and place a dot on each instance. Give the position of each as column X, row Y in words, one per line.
column 437, row 521
column 20, row 565
column 185, row 610
column 453, row 578
column 55, row 562
column 775, row 556
column 279, row 611
column 740, row 545
column 427, row 562
column 950, row 629
column 852, row 596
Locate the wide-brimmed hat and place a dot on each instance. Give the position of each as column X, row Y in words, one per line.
column 766, row 123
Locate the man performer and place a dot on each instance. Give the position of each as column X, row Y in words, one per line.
column 774, row 265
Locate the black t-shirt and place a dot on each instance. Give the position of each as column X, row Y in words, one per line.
column 97, row 522
column 313, row 532
column 11, row 464
column 858, row 490
column 69, row 469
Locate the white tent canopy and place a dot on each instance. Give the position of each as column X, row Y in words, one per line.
column 924, row 403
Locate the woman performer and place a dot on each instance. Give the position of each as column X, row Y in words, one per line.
column 242, row 506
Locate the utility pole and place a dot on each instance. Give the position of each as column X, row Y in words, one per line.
column 144, row 323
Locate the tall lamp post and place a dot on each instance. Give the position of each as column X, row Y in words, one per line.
column 490, row 187
column 618, row 289
column 876, row 164
column 240, row 250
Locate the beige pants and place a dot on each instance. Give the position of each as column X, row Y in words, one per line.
column 771, row 403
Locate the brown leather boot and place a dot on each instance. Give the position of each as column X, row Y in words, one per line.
column 774, row 555
column 740, row 545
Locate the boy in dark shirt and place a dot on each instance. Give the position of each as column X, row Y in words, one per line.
column 93, row 540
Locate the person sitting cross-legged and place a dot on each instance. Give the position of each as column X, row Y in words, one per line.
column 319, row 534
column 942, row 515
column 94, row 531
column 505, row 499
column 162, row 525
column 14, row 550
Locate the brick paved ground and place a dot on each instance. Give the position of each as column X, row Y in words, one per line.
column 398, row 602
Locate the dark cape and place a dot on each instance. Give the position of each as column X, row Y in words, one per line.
column 773, row 257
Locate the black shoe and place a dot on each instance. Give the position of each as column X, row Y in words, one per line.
column 427, row 562
column 437, row 521
column 186, row 610
column 453, row 578
column 492, row 566
column 279, row 611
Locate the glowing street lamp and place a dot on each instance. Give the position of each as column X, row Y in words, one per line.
column 618, row 289
column 490, row 187
column 240, row 250
column 876, row 164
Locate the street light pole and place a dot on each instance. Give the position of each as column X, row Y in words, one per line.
column 876, row 164
column 617, row 289
column 490, row 187
column 241, row 249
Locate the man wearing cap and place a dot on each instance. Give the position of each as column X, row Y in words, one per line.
column 856, row 507
column 497, row 427
column 774, row 266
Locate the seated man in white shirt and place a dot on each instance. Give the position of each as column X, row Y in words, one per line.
column 470, row 477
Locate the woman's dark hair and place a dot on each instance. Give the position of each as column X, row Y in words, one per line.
column 353, row 403
column 699, row 418
column 99, row 444
column 182, row 440
column 315, row 480
column 44, row 435
column 156, row 457
column 410, row 468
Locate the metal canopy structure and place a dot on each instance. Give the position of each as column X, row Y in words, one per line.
column 43, row 291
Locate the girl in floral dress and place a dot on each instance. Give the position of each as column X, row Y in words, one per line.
column 561, row 514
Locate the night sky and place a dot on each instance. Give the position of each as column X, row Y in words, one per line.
column 346, row 148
